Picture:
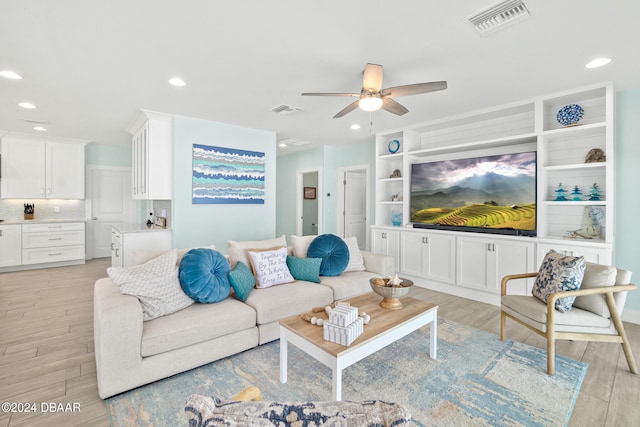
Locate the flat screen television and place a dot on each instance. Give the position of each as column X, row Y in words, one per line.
column 489, row 194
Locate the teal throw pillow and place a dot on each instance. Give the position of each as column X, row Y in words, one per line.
column 204, row 275
column 333, row 251
column 305, row 268
column 242, row 280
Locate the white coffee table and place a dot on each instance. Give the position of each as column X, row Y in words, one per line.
column 385, row 327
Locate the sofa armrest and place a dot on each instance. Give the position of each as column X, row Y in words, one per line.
column 384, row 265
column 117, row 331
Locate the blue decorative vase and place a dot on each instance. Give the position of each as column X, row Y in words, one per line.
column 396, row 218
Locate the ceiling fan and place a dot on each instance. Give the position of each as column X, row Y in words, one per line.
column 372, row 97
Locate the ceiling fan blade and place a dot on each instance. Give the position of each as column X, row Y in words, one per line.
column 394, row 107
column 330, row 94
column 349, row 108
column 414, row 89
column 372, row 78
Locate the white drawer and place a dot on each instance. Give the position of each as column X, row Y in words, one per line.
column 58, row 238
column 52, row 226
column 55, row 254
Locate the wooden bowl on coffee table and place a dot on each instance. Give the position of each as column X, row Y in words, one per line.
column 391, row 293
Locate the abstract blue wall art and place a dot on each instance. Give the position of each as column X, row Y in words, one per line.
column 226, row 175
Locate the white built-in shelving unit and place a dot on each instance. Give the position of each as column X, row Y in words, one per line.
column 522, row 126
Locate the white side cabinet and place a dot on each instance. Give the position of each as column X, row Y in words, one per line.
column 483, row 262
column 53, row 242
column 10, row 245
column 38, row 169
column 152, row 154
column 130, row 239
column 596, row 253
column 428, row 255
column 385, row 241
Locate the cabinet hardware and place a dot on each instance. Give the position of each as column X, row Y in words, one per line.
column 0, row 233
column 54, row 226
column 56, row 254
column 55, row 238
column 117, row 254
column 112, row 246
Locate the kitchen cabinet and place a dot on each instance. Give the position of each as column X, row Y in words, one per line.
column 39, row 169
column 152, row 155
column 385, row 241
column 127, row 239
column 483, row 262
column 53, row 242
column 10, row 245
column 428, row 255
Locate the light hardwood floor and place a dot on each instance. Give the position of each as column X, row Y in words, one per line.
column 46, row 350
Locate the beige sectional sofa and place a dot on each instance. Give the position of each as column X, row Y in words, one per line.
column 131, row 352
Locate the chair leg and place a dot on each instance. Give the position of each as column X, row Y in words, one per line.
column 615, row 316
column 503, row 326
column 551, row 355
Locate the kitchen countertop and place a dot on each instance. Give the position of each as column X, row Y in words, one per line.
column 39, row 221
column 134, row 227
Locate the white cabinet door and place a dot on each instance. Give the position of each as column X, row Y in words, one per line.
column 428, row 255
column 473, row 262
column 591, row 254
column 65, row 170
column 152, row 157
column 140, row 162
column 23, row 168
column 386, row 242
column 10, row 245
column 513, row 257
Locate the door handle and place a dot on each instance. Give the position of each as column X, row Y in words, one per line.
column 94, row 218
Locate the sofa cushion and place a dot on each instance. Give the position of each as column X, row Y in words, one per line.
column 559, row 273
column 277, row 302
column 196, row 324
column 333, row 251
column 356, row 260
column 270, row 267
column 242, row 280
column 154, row 283
column 305, row 268
column 237, row 251
column 348, row 284
column 300, row 245
column 596, row 276
column 204, row 275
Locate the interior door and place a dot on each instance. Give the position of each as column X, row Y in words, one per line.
column 355, row 206
column 111, row 204
column 310, row 204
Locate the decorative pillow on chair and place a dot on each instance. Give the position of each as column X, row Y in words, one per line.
column 559, row 273
column 596, row 276
column 204, row 275
column 356, row 261
column 154, row 283
column 305, row 268
column 270, row 267
column 242, row 280
column 333, row 251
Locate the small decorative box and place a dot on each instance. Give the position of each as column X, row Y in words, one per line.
column 343, row 315
column 343, row 335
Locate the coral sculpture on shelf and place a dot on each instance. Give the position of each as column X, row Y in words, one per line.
column 561, row 193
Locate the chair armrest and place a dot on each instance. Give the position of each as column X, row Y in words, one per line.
column 506, row 279
column 592, row 291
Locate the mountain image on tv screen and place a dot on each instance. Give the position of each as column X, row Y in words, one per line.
column 486, row 192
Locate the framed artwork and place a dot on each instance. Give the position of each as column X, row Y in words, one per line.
column 309, row 192
column 227, row 176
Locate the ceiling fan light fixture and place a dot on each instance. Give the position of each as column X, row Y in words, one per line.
column 370, row 102
column 598, row 62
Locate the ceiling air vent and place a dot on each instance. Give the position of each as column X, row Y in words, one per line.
column 285, row 109
column 294, row 141
column 499, row 15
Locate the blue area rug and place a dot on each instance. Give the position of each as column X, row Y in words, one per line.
column 477, row 380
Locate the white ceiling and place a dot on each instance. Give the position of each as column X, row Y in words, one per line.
column 89, row 65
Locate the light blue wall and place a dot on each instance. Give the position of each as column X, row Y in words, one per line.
column 627, row 170
column 195, row 225
column 329, row 159
column 107, row 155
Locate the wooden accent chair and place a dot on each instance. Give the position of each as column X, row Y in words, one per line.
column 600, row 321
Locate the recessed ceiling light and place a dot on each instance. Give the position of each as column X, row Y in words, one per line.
column 28, row 105
column 177, row 81
column 355, row 126
column 39, row 128
column 282, row 144
column 598, row 62
column 10, row 75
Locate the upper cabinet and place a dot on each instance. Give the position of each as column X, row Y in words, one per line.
column 42, row 169
column 152, row 151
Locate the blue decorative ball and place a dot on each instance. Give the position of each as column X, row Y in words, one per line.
column 570, row 114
